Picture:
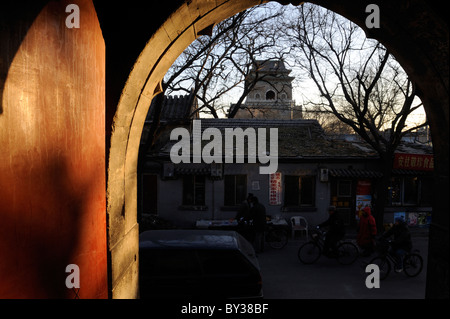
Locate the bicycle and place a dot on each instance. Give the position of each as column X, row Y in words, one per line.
column 412, row 261
column 310, row 252
column 276, row 237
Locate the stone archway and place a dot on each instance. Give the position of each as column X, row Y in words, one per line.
column 415, row 32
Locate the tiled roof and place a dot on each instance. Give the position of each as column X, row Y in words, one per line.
column 297, row 139
column 272, row 66
column 355, row 173
column 175, row 108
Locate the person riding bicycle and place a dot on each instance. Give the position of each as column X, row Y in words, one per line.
column 402, row 242
column 336, row 231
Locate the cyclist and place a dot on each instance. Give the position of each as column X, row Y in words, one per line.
column 336, row 232
column 402, row 243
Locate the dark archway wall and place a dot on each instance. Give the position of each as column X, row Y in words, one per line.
column 414, row 30
column 60, row 142
column 52, row 159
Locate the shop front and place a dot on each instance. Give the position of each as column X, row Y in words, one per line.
column 352, row 190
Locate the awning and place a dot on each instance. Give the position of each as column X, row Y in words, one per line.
column 192, row 169
column 410, row 172
column 355, row 173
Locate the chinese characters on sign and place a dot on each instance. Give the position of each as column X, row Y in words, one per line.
column 414, row 161
column 275, row 189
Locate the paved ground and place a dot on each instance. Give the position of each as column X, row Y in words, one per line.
column 285, row 277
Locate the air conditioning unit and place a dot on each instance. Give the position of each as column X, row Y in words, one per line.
column 168, row 170
column 324, row 174
column 216, row 170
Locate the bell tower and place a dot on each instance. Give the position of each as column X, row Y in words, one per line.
column 271, row 95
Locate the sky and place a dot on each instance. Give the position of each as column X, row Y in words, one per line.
column 305, row 90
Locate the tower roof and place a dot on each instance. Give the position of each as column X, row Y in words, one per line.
column 271, row 66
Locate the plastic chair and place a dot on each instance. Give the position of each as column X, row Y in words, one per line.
column 299, row 223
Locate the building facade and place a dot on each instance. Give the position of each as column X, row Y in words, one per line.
column 313, row 172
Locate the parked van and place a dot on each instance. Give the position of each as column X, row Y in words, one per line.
column 197, row 264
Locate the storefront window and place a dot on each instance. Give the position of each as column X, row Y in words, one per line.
column 235, row 189
column 344, row 189
column 194, row 190
column 299, row 190
column 426, row 191
column 395, row 194
column 410, row 191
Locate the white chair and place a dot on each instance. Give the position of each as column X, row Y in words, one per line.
column 299, row 223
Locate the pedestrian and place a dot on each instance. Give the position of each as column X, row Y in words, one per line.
column 336, row 231
column 367, row 230
column 243, row 214
column 258, row 212
column 402, row 242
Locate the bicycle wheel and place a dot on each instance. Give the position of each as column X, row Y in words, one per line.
column 383, row 264
column 309, row 253
column 277, row 238
column 347, row 253
column 412, row 264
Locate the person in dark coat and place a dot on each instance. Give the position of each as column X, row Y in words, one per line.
column 367, row 230
column 336, row 231
column 244, row 219
column 258, row 212
column 243, row 214
column 402, row 242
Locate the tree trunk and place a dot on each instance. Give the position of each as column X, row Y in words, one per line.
column 382, row 190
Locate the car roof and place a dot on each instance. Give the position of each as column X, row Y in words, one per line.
column 189, row 239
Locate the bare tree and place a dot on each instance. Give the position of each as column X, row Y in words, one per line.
column 218, row 63
column 359, row 82
column 216, row 66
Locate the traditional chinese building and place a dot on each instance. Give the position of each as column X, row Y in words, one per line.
column 314, row 171
column 270, row 96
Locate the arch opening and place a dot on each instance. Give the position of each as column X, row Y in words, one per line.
column 181, row 29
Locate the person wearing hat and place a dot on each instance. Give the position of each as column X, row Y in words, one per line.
column 402, row 242
column 367, row 229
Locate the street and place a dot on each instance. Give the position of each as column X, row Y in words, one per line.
column 285, row 277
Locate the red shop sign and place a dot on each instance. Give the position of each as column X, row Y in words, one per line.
column 414, row 161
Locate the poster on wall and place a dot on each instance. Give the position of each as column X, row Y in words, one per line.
column 361, row 202
column 363, row 197
column 413, row 219
column 421, row 219
column 424, row 219
column 400, row 215
column 275, row 189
